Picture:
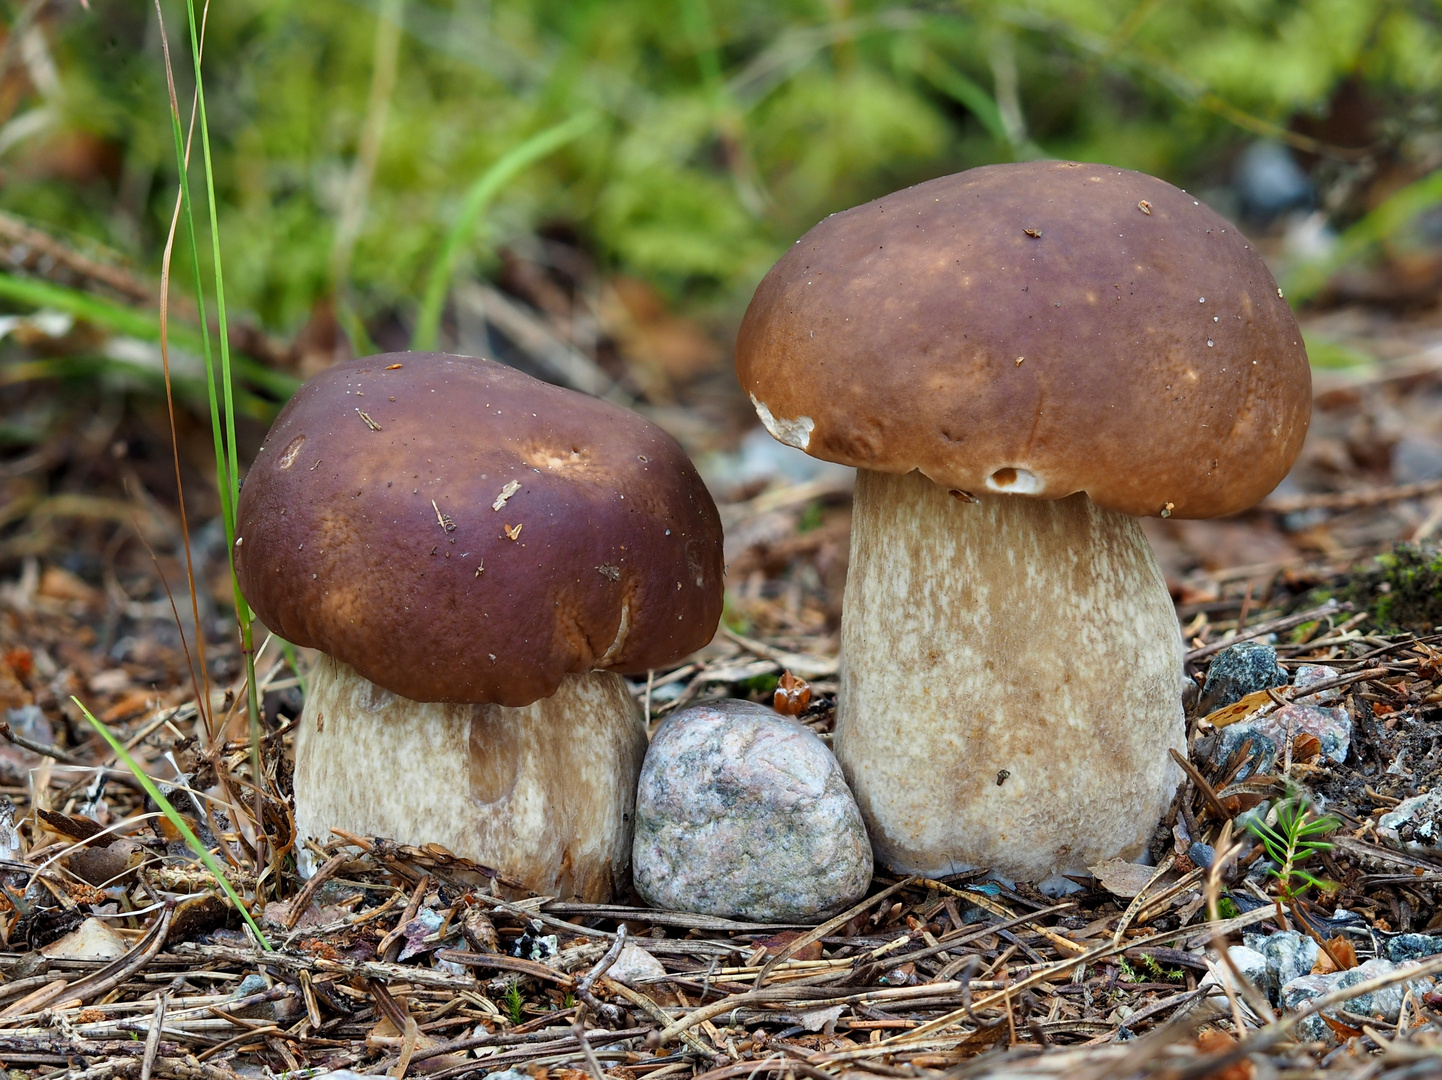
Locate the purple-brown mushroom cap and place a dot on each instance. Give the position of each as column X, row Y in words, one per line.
column 458, row 531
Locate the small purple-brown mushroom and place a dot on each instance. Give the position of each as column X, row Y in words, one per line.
column 478, row 555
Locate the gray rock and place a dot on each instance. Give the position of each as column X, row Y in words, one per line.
column 251, row 984
column 1269, row 180
column 1386, row 1003
column 1416, row 459
column 635, row 966
column 743, row 812
column 1201, row 854
column 1414, row 824
column 1410, row 947
column 1268, row 734
column 1307, row 675
column 1239, row 670
column 1252, row 966
column 1289, row 956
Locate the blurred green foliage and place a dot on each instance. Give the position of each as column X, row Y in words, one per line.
column 728, row 126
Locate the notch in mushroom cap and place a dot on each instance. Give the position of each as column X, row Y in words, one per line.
column 477, row 553
column 1016, row 359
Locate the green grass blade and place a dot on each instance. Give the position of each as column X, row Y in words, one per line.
column 288, row 651
column 227, row 461
column 133, row 322
column 174, row 817
column 1389, row 219
column 967, row 92
column 477, row 199
column 232, row 491
column 187, row 215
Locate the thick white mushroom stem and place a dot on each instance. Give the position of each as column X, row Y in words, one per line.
column 545, row 794
column 1011, row 680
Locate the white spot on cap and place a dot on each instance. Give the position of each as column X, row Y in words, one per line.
column 291, row 452
column 795, row 432
column 1014, row 481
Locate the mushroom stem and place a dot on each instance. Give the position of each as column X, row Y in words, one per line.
column 544, row 793
column 1010, row 683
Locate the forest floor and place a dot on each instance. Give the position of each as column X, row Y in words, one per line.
column 119, row 956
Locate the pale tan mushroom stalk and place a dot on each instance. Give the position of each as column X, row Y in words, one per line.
column 545, row 791
column 1010, row 682
column 1020, row 361
column 480, row 557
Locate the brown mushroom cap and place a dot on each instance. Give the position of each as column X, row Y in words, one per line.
column 1040, row 328
column 367, row 530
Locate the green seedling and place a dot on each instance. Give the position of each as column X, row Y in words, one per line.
column 1159, row 973
column 512, row 1000
column 1297, row 836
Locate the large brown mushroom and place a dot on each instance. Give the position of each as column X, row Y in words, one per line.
column 479, row 555
column 1020, row 360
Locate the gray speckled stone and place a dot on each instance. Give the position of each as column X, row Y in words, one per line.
column 1415, row 824
column 1289, row 955
column 742, row 812
column 1239, row 670
column 1410, row 947
column 1386, row 1003
column 1306, row 675
column 1268, row 734
column 1251, row 965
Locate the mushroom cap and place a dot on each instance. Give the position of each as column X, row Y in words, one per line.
column 1040, row 328
column 369, row 529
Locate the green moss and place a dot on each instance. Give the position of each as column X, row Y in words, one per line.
column 1403, row 588
column 760, row 684
column 734, row 619
column 810, row 518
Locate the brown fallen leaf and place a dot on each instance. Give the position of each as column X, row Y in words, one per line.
column 1213, row 1041
column 1342, row 949
column 1239, row 710
column 1122, row 878
column 777, row 942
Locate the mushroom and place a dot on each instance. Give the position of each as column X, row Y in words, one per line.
column 1020, row 361
column 478, row 555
